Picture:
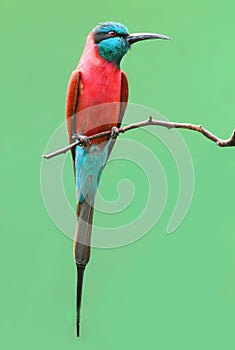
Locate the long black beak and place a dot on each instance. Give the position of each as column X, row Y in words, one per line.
column 133, row 38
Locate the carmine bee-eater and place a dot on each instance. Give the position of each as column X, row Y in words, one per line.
column 97, row 81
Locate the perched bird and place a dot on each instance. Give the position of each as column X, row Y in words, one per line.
column 97, row 81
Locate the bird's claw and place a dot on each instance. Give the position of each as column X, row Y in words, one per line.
column 75, row 137
column 114, row 132
column 85, row 142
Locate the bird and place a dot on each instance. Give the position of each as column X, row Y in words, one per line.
column 96, row 100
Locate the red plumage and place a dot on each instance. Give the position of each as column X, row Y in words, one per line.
column 95, row 81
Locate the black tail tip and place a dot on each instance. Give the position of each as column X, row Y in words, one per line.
column 78, row 330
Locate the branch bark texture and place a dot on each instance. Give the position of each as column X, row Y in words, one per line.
column 169, row 125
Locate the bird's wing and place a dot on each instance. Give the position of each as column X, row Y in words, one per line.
column 71, row 105
column 123, row 105
column 124, row 97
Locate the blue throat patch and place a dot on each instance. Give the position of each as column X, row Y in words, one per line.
column 113, row 49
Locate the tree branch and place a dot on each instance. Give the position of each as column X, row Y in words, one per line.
column 170, row 125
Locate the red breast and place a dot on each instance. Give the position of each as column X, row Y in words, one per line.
column 100, row 84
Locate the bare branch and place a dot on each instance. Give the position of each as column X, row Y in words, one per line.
column 170, row 125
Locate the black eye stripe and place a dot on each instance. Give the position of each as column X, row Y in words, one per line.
column 98, row 37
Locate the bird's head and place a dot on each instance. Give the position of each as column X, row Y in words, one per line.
column 113, row 40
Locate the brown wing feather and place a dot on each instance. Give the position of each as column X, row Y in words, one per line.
column 124, row 98
column 123, row 105
column 71, row 105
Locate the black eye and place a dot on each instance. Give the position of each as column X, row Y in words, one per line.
column 112, row 33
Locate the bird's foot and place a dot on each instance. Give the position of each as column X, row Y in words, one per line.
column 114, row 132
column 85, row 142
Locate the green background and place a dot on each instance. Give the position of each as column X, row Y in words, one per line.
column 164, row 291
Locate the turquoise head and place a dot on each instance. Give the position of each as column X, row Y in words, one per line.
column 113, row 40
